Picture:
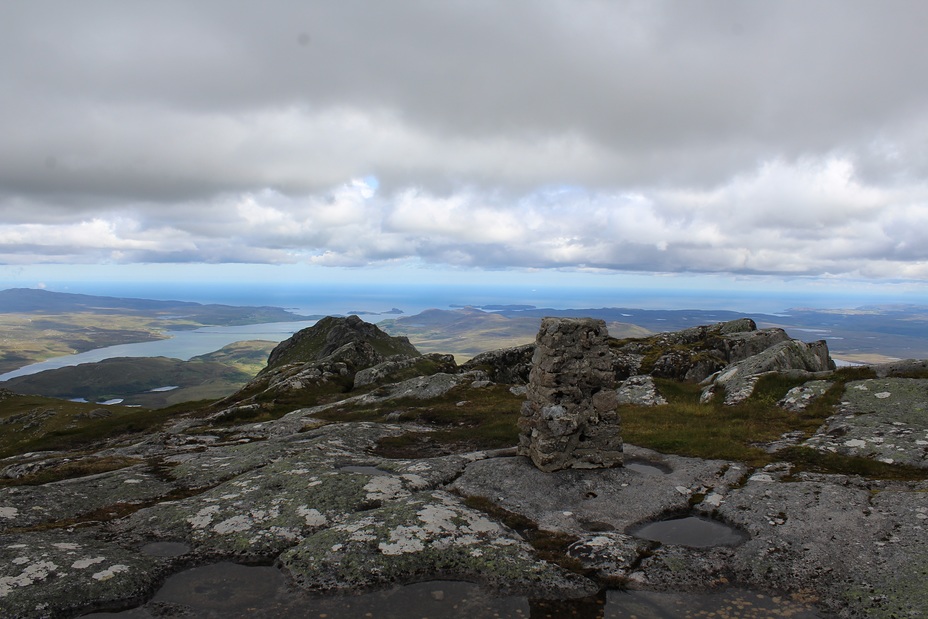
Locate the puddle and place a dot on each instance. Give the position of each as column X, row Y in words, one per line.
column 231, row 591
column 364, row 470
column 647, row 468
column 690, row 531
column 165, row 549
column 732, row 603
column 135, row 613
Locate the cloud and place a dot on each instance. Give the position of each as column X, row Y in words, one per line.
column 777, row 138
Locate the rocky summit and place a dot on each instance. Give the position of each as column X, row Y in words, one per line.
column 747, row 467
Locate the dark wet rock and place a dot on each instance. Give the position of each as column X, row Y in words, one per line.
column 426, row 535
column 885, row 419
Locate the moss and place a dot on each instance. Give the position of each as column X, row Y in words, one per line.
column 550, row 545
column 813, row 460
column 771, row 388
column 464, row 419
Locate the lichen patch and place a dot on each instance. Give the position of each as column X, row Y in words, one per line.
column 110, row 572
column 81, row 564
column 31, row 574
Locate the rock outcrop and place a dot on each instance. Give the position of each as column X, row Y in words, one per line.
column 328, row 357
column 507, row 365
column 728, row 356
column 330, row 334
column 738, row 379
column 696, row 353
column 570, row 418
column 317, row 497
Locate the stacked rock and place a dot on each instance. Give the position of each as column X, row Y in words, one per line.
column 570, row 419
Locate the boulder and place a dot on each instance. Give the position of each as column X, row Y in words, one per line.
column 427, row 535
column 508, row 365
column 640, row 391
column 382, row 371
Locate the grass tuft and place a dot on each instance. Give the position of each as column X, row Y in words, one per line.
column 71, row 470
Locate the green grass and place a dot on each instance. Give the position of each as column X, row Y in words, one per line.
column 72, row 470
column 549, row 545
column 714, row 431
column 36, row 423
column 815, row 461
column 487, row 420
column 686, row 427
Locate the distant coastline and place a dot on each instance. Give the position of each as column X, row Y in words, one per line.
column 869, row 333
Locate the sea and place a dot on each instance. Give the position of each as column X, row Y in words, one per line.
column 341, row 299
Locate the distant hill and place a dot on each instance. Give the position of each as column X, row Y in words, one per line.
column 866, row 334
column 151, row 382
column 469, row 331
column 33, row 300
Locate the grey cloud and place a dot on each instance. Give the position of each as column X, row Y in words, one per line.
column 654, row 135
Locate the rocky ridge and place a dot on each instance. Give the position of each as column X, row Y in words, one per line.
column 321, row 501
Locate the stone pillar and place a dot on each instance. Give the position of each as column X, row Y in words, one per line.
column 570, row 419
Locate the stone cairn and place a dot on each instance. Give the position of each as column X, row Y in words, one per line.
column 570, row 419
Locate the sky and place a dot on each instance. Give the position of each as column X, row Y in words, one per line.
column 782, row 144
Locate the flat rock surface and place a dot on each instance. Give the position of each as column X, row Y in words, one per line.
column 884, row 419
column 27, row 506
column 426, row 535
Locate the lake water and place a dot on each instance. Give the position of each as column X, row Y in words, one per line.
column 181, row 345
column 231, row 591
